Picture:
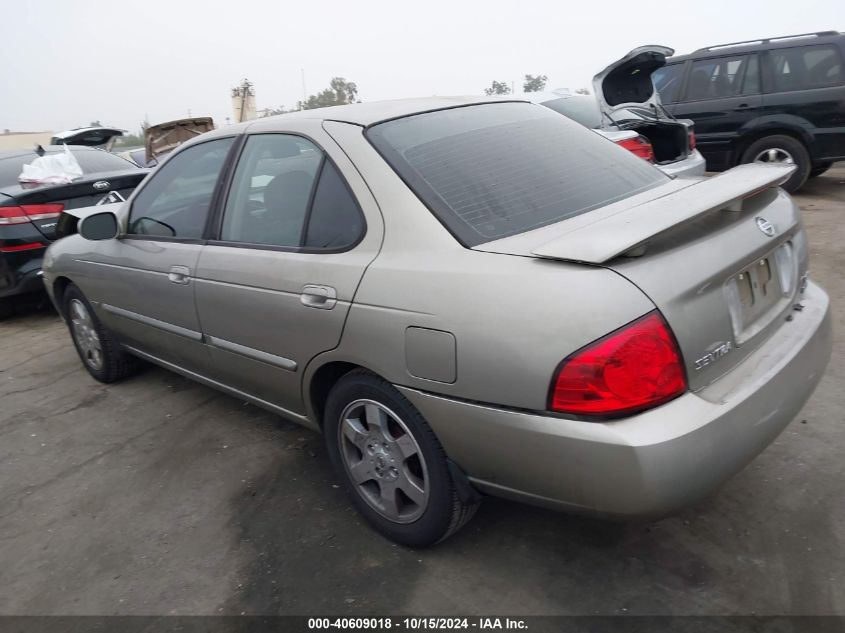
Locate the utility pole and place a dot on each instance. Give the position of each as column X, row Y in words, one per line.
column 304, row 93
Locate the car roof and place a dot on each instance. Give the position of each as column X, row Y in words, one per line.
column 370, row 113
column 763, row 43
column 542, row 96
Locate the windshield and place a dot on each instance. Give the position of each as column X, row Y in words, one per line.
column 495, row 170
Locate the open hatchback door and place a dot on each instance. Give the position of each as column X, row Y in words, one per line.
column 627, row 83
column 101, row 137
column 628, row 100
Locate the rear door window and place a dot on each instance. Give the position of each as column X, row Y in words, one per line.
column 495, row 170
column 751, row 78
column 335, row 220
column 723, row 77
column 271, row 190
column 286, row 193
column 806, row 67
column 667, row 82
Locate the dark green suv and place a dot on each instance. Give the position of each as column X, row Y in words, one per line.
column 770, row 100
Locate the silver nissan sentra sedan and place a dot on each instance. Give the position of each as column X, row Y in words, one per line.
column 464, row 297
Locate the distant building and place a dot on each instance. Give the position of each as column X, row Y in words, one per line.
column 23, row 140
column 243, row 102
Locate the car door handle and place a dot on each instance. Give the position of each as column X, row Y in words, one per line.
column 320, row 297
column 741, row 106
column 179, row 275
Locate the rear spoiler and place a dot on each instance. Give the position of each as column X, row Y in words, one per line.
column 621, row 232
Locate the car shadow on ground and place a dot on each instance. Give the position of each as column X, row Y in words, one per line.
column 830, row 185
column 28, row 307
column 309, row 551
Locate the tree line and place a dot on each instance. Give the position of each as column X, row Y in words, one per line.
column 339, row 92
column 343, row 92
column 532, row 83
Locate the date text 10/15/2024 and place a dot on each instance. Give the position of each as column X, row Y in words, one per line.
column 417, row 623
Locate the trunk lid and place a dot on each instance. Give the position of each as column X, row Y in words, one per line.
column 102, row 137
column 165, row 137
column 722, row 258
column 627, row 83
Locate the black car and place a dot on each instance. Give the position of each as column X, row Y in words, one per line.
column 770, row 100
column 29, row 212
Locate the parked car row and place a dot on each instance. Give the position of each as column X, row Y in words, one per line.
column 626, row 109
column 769, row 100
column 465, row 296
column 29, row 213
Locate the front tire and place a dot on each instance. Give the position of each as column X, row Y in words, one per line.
column 97, row 347
column 391, row 463
column 781, row 149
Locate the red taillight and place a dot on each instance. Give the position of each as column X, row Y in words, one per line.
column 22, row 247
column 12, row 215
column 634, row 368
column 639, row 146
column 691, row 140
column 27, row 212
column 43, row 211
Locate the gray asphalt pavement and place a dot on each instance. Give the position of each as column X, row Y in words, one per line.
column 161, row 496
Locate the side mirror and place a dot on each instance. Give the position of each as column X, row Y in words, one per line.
column 100, row 226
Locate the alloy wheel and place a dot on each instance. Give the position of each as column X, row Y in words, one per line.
column 86, row 335
column 774, row 155
column 384, row 461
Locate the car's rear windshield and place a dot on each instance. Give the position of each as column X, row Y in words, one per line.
column 90, row 160
column 494, row 170
column 583, row 110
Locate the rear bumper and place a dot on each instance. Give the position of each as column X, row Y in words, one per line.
column 20, row 273
column 692, row 165
column 650, row 464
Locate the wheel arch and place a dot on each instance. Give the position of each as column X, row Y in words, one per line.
column 758, row 132
column 319, row 380
column 60, row 285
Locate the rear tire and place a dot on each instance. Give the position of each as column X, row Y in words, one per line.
column 97, row 347
column 819, row 168
column 381, row 446
column 780, row 148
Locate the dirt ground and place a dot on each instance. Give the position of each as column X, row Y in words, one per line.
column 161, row 496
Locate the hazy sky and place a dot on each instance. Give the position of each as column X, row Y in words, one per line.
column 66, row 63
